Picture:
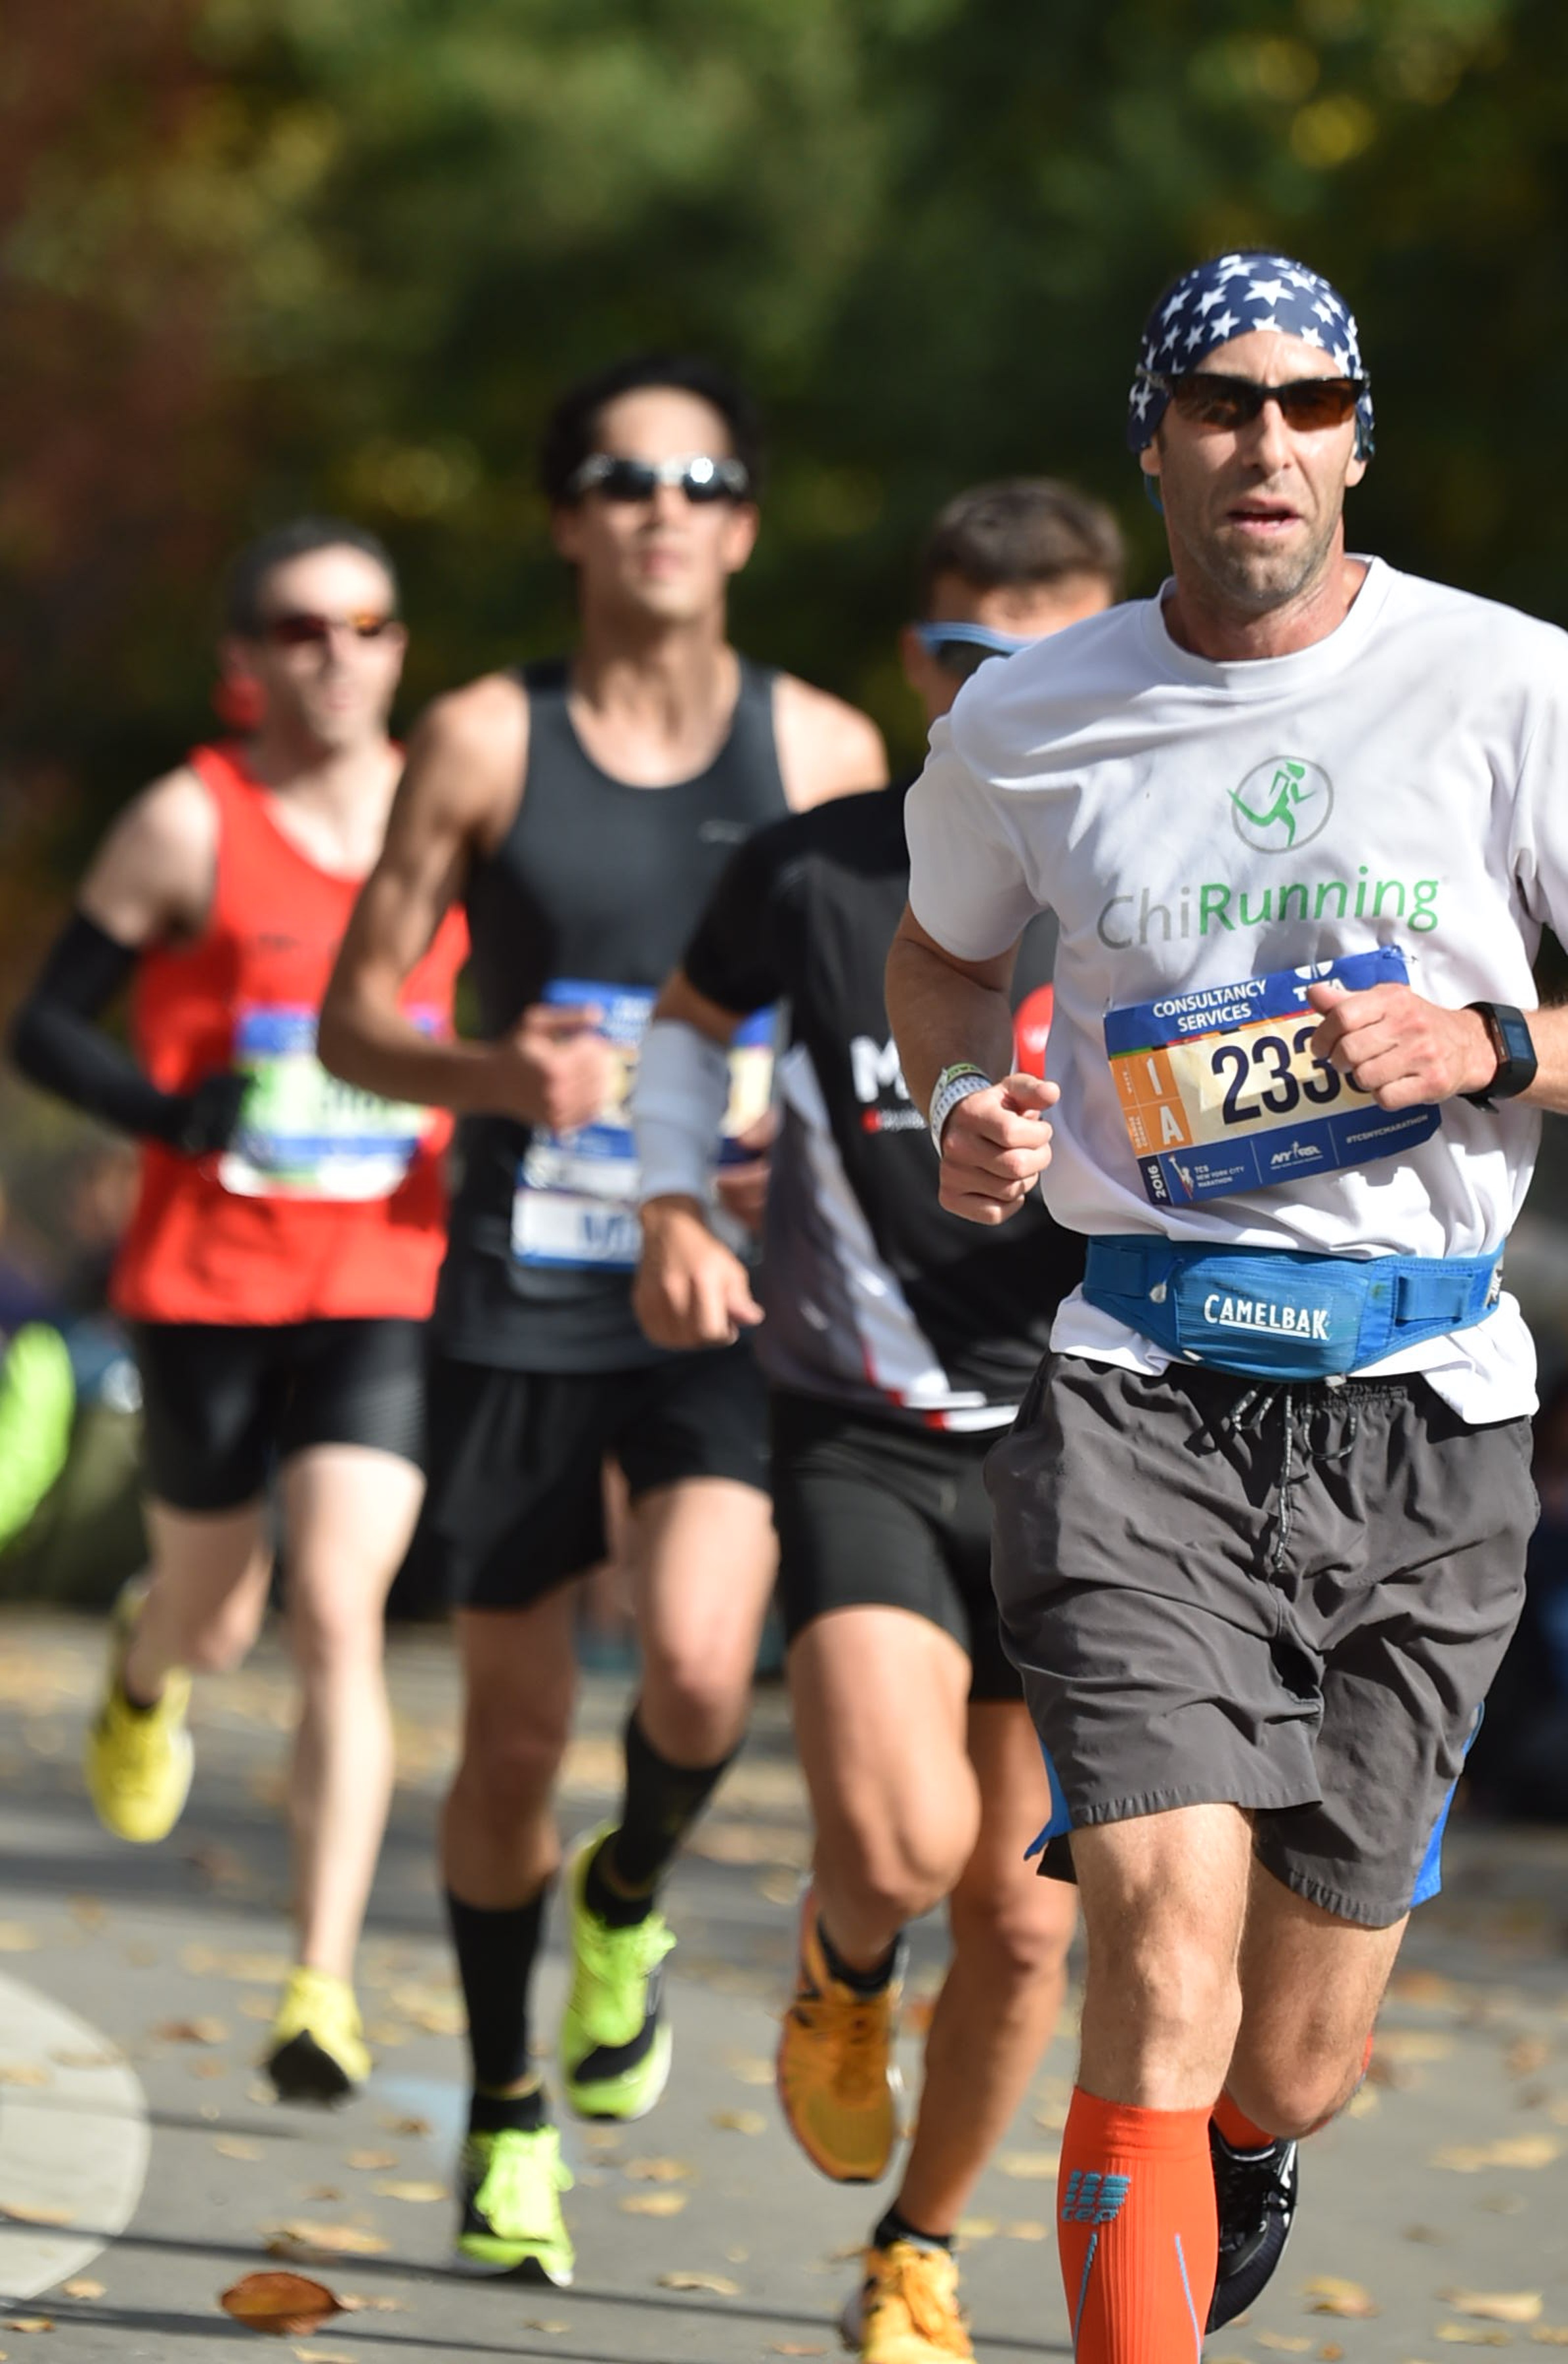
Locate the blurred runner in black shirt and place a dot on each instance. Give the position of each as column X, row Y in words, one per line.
column 896, row 1342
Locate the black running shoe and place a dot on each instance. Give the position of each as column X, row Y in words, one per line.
column 1256, row 2191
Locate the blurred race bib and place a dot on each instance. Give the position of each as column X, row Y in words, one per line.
column 303, row 1133
column 575, row 1201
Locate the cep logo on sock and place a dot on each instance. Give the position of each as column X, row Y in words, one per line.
column 1093, row 2199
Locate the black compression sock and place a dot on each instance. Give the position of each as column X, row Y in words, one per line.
column 496, row 1953
column 662, row 1800
column 895, row 2227
column 523, row 2114
column 861, row 1982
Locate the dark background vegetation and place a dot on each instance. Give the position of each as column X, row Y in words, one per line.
column 256, row 254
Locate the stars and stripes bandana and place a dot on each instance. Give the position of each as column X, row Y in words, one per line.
column 1215, row 301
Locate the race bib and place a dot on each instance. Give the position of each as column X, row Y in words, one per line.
column 303, row 1133
column 576, row 1203
column 1220, row 1093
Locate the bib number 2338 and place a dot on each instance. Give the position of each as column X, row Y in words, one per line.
column 1220, row 1091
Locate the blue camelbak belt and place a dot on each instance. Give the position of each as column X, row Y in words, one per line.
column 1280, row 1313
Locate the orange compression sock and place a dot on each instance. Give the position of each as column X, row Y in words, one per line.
column 1238, row 2131
column 1137, row 2231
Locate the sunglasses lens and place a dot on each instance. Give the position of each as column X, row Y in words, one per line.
column 1212, row 401
column 627, row 480
column 962, row 658
column 704, row 484
column 298, row 632
column 367, row 625
column 1318, row 402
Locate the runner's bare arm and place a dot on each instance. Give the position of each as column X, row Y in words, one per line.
column 827, row 748
column 691, row 1290
column 945, row 1011
column 457, row 797
column 1406, row 1051
column 152, row 876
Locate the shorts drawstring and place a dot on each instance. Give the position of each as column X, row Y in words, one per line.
column 1249, row 1411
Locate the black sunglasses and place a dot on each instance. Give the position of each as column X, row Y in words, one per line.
column 697, row 475
column 1209, row 398
column 298, row 631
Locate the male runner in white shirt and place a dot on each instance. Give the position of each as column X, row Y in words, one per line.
column 1261, row 1526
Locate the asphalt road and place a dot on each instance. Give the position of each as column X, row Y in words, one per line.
column 143, row 2168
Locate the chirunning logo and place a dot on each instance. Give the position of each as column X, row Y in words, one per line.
column 1282, row 804
column 1093, row 2199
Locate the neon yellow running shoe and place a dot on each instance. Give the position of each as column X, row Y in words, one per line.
column 510, row 2185
column 139, row 1761
column 316, row 2051
column 615, row 2044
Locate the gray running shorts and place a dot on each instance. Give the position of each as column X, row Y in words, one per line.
column 1288, row 1599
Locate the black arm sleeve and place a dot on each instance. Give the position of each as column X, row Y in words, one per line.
column 56, row 1043
column 732, row 958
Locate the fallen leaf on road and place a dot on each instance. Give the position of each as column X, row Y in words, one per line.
column 236, row 2147
column 1467, row 2335
column 751, row 2069
column 82, row 2286
column 30, row 2323
column 322, row 2194
column 1426, row 1989
column 1550, row 2335
column 719, row 2284
column 1287, row 2343
column 1029, row 2166
column 779, row 1887
column 1427, row 2233
column 191, row 2030
column 306, row 2241
column 1025, row 2229
column 410, row 2127
column 1495, row 2306
column 16, row 1938
column 24, row 2072
column 977, row 2228
column 257, row 2006
column 323, row 2356
column 357, row 2302
column 793, row 2347
column 284, row 2305
column 29, row 2212
column 415, row 2191
column 371, row 2160
column 659, row 2170
column 653, row 2203
column 743, row 2121
column 1409, row 2044
column 1332, row 2295
column 1525, row 2055
column 437, row 2011
column 101, row 2058
column 544, row 2323
column 1514, row 2150
column 1327, row 2354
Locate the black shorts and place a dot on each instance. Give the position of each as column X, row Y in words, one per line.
column 872, row 1514
column 222, row 1401
column 514, row 1504
column 1287, row 1598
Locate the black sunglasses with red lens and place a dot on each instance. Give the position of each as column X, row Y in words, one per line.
column 302, row 629
column 698, row 476
column 1209, row 398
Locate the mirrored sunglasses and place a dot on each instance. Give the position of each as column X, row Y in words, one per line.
column 1209, row 398
column 698, row 476
column 963, row 649
column 300, row 630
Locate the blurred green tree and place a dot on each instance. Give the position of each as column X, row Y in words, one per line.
column 256, row 254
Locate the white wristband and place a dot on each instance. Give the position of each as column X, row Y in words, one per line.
column 952, row 1086
column 677, row 1111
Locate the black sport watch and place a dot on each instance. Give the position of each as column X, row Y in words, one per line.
column 1516, row 1054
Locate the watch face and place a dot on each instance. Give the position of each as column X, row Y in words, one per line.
column 1518, row 1048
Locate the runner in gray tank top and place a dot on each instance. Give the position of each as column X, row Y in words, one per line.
column 1260, row 1528
column 583, row 812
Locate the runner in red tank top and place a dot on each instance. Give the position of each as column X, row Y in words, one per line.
column 282, row 1257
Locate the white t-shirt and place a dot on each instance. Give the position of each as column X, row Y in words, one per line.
column 1403, row 782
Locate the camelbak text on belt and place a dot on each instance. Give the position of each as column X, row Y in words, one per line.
column 1282, row 1313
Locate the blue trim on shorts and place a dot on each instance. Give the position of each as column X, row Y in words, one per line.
column 1429, row 1879
column 1061, row 1821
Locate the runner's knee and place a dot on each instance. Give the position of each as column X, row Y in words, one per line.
column 696, row 1693
column 332, row 1626
column 899, row 1867
column 509, row 1767
column 1021, row 1935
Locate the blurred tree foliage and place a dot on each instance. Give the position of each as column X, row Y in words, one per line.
column 257, row 254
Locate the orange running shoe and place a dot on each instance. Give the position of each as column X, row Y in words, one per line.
column 839, row 2083
column 907, row 2310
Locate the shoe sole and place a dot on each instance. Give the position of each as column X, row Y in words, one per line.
column 510, row 2258
column 597, row 2104
column 301, row 2070
column 185, row 1748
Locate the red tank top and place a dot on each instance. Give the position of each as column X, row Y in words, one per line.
column 329, row 1203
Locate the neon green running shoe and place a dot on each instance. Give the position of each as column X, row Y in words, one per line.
column 510, row 2185
column 316, row 2051
column 139, row 1761
column 615, row 2045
